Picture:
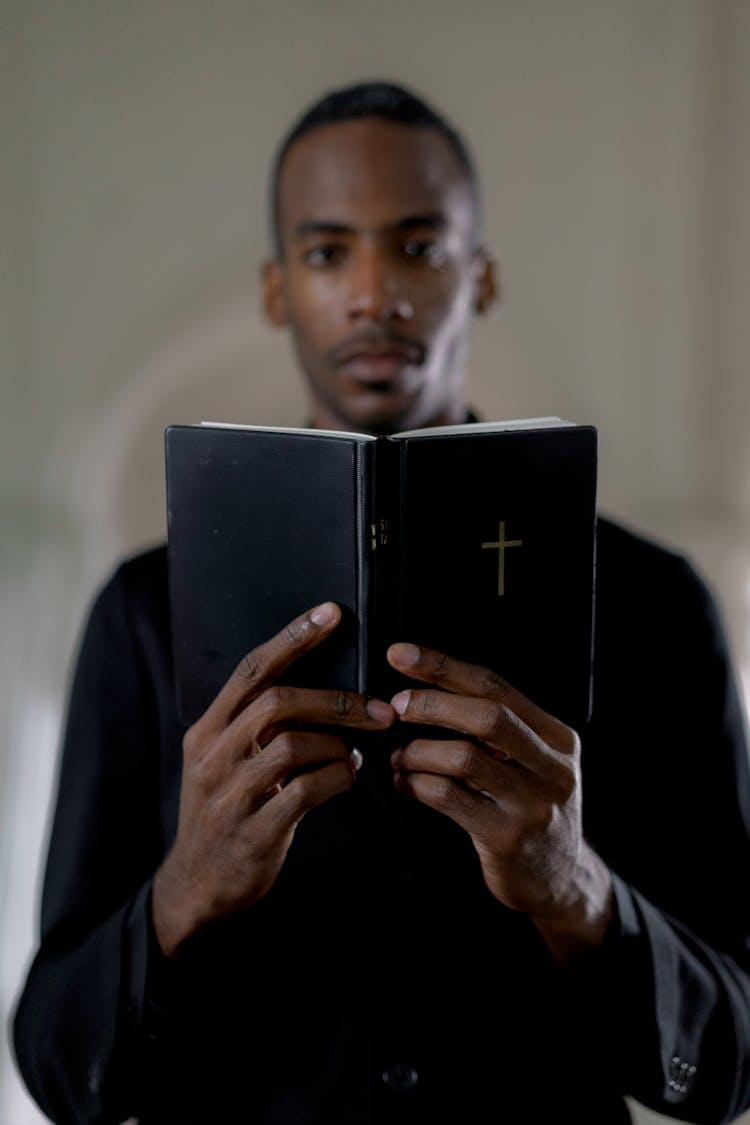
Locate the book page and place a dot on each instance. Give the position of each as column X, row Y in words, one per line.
column 290, row 430
column 542, row 423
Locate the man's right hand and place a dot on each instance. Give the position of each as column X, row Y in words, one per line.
column 254, row 764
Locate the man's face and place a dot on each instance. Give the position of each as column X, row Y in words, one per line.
column 379, row 274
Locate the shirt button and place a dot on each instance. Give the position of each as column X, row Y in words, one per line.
column 400, row 1077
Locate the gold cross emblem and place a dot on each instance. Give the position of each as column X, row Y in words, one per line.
column 500, row 546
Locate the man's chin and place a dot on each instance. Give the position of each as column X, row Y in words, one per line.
column 379, row 412
column 379, row 424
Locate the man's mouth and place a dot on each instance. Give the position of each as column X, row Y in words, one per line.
column 379, row 364
column 376, row 367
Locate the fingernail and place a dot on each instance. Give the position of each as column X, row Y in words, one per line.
column 355, row 757
column 379, row 711
column 395, row 758
column 400, row 702
column 404, row 653
column 323, row 614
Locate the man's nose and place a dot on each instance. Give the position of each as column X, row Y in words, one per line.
column 376, row 292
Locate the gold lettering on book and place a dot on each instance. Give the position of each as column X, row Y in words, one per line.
column 500, row 546
column 379, row 534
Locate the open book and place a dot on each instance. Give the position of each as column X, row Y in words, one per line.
column 477, row 540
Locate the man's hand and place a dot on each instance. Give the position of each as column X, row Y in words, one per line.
column 512, row 780
column 254, row 764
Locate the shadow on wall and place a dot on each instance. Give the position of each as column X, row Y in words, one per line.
column 225, row 365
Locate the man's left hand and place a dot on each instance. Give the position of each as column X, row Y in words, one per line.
column 512, row 780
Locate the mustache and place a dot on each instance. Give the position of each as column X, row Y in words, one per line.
column 377, row 339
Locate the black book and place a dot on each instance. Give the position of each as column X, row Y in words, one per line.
column 476, row 540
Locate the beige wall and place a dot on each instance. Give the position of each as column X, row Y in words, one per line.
column 612, row 141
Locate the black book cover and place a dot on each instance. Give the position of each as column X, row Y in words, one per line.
column 478, row 541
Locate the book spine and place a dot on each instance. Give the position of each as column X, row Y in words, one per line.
column 365, row 466
column 382, row 553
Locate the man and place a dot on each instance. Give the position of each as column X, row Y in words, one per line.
column 522, row 923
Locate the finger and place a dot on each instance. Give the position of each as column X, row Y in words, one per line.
column 468, row 679
column 475, row 765
column 291, row 753
column 282, row 706
column 471, row 810
column 303, row 792
column 268, row 661
column 493, row 723
column 465, row 762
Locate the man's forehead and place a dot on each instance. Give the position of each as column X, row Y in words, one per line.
column 371, row 172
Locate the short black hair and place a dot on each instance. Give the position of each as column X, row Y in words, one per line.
column 385, row 100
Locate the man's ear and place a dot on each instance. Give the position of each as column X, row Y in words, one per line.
column 488, row 291
column 273, row 293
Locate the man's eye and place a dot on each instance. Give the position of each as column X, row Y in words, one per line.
column 424, row 249
column 324, row 255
